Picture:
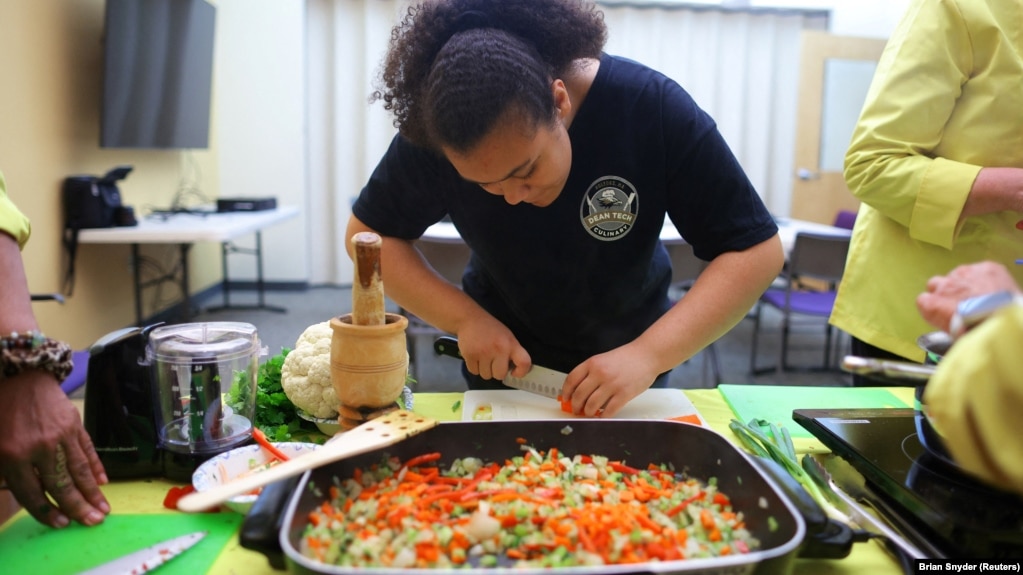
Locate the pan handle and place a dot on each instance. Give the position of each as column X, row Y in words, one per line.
column 902, row 370
column 262, row 526
column 826, row 538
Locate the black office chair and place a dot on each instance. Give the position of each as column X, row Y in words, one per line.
column 48, row 297
column 449, row 260
column 811, row 277
column 685, row 268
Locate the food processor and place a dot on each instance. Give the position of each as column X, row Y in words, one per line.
column 161, row 400
column 204, row 375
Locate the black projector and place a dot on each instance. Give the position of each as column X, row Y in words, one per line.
column 246, row 204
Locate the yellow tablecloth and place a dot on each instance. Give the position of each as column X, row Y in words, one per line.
column 147, row 496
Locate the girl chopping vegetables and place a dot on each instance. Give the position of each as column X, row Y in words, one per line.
column 557, row 163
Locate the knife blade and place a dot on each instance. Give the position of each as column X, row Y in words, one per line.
column 539, row 380
column 849, row 503
column 148, row 558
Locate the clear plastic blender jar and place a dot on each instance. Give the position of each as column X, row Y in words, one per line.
column 205, row 378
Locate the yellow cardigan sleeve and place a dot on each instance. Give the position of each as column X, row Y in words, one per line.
column 976, row 396
column 12, row 221
column 927, row 126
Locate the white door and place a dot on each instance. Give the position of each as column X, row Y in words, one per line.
column 835, row 73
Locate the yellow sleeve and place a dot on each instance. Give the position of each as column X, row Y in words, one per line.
column 976, row 396
column 12, row 221
column 905, row 158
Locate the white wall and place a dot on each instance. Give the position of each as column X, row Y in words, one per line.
column 869, row 18
column 260, row 124
column 261, row 115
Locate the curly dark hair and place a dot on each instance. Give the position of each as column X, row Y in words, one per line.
column 455, row 66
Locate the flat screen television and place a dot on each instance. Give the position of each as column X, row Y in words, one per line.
column 157, row 74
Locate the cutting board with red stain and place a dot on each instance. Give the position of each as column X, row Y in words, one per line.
column 29, row 547
column 496, row 405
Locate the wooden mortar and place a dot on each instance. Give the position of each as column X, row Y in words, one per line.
column 368, row 349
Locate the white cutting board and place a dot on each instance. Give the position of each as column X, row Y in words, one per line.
column 516, row 404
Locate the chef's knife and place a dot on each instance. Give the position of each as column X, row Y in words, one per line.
column 540, row 380
column 148, row 558
column 849, row 503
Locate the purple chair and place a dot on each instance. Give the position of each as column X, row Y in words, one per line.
column 76, row 379
column 819, row 258
column 845, row 219
column 80, row 359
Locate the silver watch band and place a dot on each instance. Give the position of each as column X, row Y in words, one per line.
column 972, row 311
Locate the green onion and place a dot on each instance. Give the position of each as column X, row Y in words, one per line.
column 774, row 442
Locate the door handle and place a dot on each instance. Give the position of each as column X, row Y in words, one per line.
column 806, row 175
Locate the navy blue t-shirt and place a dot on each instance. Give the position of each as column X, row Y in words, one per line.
column 587, row 273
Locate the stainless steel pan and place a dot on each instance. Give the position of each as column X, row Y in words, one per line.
column 936, row 344
column 900, row 371
column 697, row 451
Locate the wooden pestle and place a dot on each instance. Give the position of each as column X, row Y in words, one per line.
column 368, row 288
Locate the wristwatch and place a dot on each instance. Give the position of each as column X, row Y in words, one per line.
column 972, row 311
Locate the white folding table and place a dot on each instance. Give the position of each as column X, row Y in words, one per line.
column 185, row 229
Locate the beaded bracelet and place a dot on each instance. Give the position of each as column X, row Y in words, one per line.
column 33, row 350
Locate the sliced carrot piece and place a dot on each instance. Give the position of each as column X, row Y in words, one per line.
column 691, row 418
column 566, row 405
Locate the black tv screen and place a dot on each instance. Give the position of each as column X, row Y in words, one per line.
column 158, row 74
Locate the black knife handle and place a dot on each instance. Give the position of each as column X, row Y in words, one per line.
column 262, row 526
column 825, row 537
column 447, row 345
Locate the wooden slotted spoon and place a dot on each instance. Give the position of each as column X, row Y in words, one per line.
column 380, row 432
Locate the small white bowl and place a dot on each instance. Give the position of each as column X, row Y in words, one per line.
column 228, row 465
column 326, row 425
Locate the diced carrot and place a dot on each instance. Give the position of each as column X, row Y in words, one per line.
column 691, row 418
column 622, row 468
column 566, row 405
column 421, row 459
column 707, row 520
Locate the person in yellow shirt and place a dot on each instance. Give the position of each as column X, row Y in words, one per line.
column 44, row 448
column 937, row 162
column 976, row 394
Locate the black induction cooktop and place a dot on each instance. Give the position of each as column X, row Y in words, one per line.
column 921, row 492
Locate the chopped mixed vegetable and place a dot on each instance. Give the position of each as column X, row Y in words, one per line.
column 540, row 509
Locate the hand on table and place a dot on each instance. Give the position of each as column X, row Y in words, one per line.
column 44, row 449
column 604, row 383
column 938, row 304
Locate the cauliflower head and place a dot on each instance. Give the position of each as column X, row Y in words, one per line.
column 305, row 375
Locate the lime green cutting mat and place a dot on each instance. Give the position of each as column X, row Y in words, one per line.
column 29, row 547
column 776, row 402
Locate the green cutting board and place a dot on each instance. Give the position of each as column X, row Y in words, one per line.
column 29, row 547
column 775, row 403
